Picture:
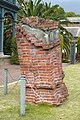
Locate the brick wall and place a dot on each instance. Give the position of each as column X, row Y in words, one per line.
column 41, row 63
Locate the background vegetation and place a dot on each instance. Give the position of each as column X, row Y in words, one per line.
column 78, row 45
column 7, row 34
column 14, row 52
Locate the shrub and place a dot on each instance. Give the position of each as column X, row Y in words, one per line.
column 78, row 45
column 14, row 57
column 7, row 44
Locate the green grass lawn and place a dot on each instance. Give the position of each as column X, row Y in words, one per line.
column 70, row 110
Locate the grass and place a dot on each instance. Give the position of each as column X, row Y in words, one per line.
column 70, row 110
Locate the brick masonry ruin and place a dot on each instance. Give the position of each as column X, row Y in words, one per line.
column 40, row 59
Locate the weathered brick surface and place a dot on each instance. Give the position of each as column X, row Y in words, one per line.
column 42, row 65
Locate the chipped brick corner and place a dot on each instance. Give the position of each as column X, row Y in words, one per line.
column 41, row 62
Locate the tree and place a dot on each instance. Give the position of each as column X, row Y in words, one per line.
column 72, row 14
column 41, row 9
column 67, row 37
column 30, row 8
column 55, row 12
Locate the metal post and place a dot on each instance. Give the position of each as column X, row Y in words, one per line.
column 5, row 81
column 22, row 95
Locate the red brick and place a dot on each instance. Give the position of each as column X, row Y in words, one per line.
column 42, row 64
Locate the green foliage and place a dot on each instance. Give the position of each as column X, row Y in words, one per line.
column 7, row 34
column 55, row 12
column 66, row 38
column 65, row 61
column 62, row 41
column 7, row 44
column 30, row 8
column 14, row 58
column 72, row 14
column 66, row 48
column 45, row 10
column 41, row 9
column 78, row 45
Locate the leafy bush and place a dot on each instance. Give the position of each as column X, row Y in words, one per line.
column 65, row 50
column 78, row 45
column 7, row 44
column 66, row 61
column 62, row 42
column 14, row 57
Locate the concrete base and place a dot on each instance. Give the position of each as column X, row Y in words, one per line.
column 4, row 59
